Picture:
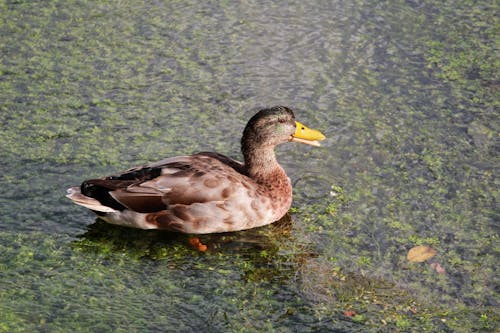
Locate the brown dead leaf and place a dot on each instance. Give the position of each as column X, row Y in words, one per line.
column 349, row 313
column 421, row 253
column 438, row 268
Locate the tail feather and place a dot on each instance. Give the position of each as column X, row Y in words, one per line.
column 75, row 195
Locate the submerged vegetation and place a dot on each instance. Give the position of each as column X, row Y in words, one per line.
column 405, row 91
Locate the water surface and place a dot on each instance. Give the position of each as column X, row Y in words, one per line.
column 406, row 92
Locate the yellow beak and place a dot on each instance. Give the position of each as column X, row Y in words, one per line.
column 306, row 135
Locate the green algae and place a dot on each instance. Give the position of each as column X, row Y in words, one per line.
column 406, row 92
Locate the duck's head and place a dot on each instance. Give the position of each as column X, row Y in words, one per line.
column 270, row 127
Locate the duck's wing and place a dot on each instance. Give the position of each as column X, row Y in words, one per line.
column 185, row 180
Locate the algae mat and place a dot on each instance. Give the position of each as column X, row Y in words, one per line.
column 406, row 92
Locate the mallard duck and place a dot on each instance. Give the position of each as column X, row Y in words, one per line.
column 206, row 192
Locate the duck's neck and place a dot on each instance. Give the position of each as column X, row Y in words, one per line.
column 260, row 162
column 263, row 168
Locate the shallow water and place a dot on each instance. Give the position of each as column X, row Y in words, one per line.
column 406, row 92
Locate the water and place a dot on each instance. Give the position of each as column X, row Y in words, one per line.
column 406, row 92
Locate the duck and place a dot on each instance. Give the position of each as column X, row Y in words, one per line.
column 206, row 192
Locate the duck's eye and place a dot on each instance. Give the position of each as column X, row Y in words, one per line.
column 282, row 121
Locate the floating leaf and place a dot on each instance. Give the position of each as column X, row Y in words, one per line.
column 421, row 253
column 438, row 268
column 349, row 313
